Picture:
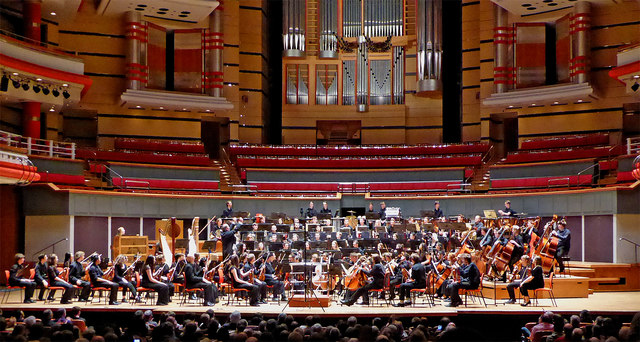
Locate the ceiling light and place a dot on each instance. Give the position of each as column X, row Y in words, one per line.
column 556, row 102
column 53, row 13
column 533, row 104
column 635, row 86
column 65, row 85
column 15, row 74
column 52, row 110
column 138, row 107
column 16, row 84
column 634, row 76
column 207, row 110
column 184, row 109
column 38, row 79
column 25, row 86
column 510, row 106
column 45, row 91
column 36, row 88
column 161, row 107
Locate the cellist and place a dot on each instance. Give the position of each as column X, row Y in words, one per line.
column 97, row 280
column 418, row 280
column 377, row 282
column 270, row 278
column 564, row 242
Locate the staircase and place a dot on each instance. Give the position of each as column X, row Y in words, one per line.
column 481, row 180
column 229, row 178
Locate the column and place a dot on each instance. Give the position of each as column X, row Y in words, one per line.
column 579, row 65
column 136, row 33
column 214, row 46
column 31, row 119
column 502, row 40
column 32, row 18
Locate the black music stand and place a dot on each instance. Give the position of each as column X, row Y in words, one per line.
column 372, row 216
column 305, row 277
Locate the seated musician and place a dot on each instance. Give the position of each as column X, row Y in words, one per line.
column 228, row 212
column 178, row 267
column 232, row 272
column 437, row 212
column 311, row 212
column 194, row 282
column 518, row 241
column 149, row 281
column 17, row 278
column 55, row 280
column 418, row 280
column 286, row 246
column 40, row 276
column 162, row 273
column 119, row 277
column 469, row 279
column 377, row 282
column 395, row 277
column 270, row 278
column 532, row 282
column 507, row 210
column 449, row 262
column 521, row 275
column 76, row 276
column 477, row 225
column 95, row 274
column 334, row 245
column 564, row 243
column 488, row 237
column 383, row 211
column 297, row 225
column 250, row 268
column 325, row 208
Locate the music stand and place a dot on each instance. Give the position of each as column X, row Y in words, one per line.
column 323, row 216
column 372, row 216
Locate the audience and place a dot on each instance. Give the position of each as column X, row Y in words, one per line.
column 147, row 326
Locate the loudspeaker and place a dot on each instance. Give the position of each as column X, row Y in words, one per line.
column 4, row 84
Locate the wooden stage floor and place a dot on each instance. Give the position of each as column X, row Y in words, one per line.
column 605, row 303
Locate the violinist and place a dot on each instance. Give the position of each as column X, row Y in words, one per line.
column 16, row 278
column 532, row 282
column 507, row 210
column 55, row 280
column 149, row 281
column 40, row 276
column 192, row 282
column 76, row 276
column 564, row 242
column 249, row 273
column 270, row 278
column 377, row 282
column 119, row 277
column 232, row 272
column 469, row 279
column 521, row 275
column 418, row 280
column 178, row 267
column 395, row 275
column 97, row 280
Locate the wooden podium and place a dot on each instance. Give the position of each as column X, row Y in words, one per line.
column 129, row 245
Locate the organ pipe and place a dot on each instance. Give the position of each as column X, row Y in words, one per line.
column 293, row 27
column 328, row 28
column 429, row 46
column 362, row 87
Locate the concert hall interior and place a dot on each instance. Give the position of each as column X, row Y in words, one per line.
column 460, row 163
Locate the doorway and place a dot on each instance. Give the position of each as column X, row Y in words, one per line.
column 503, row 133
column 214, row 133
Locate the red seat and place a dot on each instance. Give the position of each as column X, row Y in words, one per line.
column 6, row 294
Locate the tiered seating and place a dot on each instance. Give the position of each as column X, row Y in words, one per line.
column 542, row 175
column 357, row 163
column 59, row 171
column 130, row 175
column 158, row 146
column 563, row 154
column 625, row 166
column 600, row 139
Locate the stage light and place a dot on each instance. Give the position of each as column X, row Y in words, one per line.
column 45, row 91
column 16, row 84
column 55, row 92
column 66, row 94
column 36, row 88
column 25, row 86
column 635, row 86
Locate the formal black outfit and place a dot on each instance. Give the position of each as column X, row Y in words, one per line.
column 162, row 289
column 94, row 273
column 522, row 275
column 178, row 274
column 228, row 240
column 39, row 277
column 383, row 213
column 194, row 282
column 469, row 280
column 508, row 212
column 419, row 276
column 437, row 213
column 325, row 211
column 536, row 283
column 227, row 213
column 76, row 273
column 377, row 273
column 52, row 274
column 311, row 212
column 262, row 287
column 396, row 279
column 271, row 280
column 564, row 244
column 18, row 280
column 119, row 278
column 253, row 290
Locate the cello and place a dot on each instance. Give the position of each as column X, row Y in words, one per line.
column 355, row 279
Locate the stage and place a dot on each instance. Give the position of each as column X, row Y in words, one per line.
column 601, row 303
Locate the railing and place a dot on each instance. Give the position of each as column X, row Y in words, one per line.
column 36, row 45
column 354, row 187
column 596, row 173
column 110, row 171
column 459, row 187
column 559, row 182
column 633, row 145
column 21, row 160
column 134, row 181
column 635, row 249
column 39, row 146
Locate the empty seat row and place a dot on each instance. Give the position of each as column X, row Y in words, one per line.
column 565, row 141
column 357, row 163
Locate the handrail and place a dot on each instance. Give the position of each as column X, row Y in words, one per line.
column 549, row 181
column 596, row 172
column 133, row 181
column 633, row 145
column 24, row 162
column 633, row 243
column 39, row 146
column 460, row 187
column 37, row 45
column 118, row 175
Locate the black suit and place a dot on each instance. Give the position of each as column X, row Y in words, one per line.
column 119, row 278
column 15, row 280
column 437, row 213
column 469, row 279
column 194, row 282
column 419, row 276
column 228, row 240
column 227, row 212
column 76, row 273
column 311, row 212
column 270, row 280
column 52, row 274
column 94, row 273
column 39, row 277
column 377, row 273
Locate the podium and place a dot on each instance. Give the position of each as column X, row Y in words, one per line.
column 129, row 245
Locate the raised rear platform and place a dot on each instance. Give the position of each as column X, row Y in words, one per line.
column 563, row 287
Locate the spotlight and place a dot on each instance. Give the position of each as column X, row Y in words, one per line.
column 25, row 86
column 55, row 92
column 635, row 86
column 36, row 89
column 16, row 84
column 66, row 94
column 45, row 91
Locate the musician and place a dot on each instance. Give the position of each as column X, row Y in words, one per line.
column 119, row 277
column 437, row 212
column 449, row 262
column 40, row 276
column 521, row 275
column 325, row 208
column 377, row 282
column 16, row 278
column 477, row 225
column 487, row 237
column 395, row 270
column 507, row 210
column 311, row 212
column 234, row 275
column 334, row 245
column 297, row 225
column 418, row 280
column 383, row 211
column 97, row 280
column 286, row 246
column 532, row 282
column 76, row 276
column 270, row 278
column 249, row 272
column 469, row 279
column 228, row 237
column 149, row 281
column 194, row 282
column 370, row 209
column 56, row 281
column 564, row 242
column 178, row 267
column 229, row 211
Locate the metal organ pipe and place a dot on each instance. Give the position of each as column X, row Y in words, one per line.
column 328, row 20
column 293, row 30
column 429, row 47
column 362, row 87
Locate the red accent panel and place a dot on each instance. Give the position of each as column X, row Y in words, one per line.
column 625, row 69
column 157, row 146
column 149, row 158
column 546, row 143
column 59, row 178
column 31, row 119
column 32, row 19
column 625, row 176
column 540, row 182
column 583, row 153
column 168, row 183
column 357, row 151
column 356, row 163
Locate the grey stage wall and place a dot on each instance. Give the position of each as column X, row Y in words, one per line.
column 356, row 176
column 39, row 200
column 164, row 172
column 558, row 169
column 66, row 167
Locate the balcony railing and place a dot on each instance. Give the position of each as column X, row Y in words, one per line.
column 35, row 44
column 44, row 147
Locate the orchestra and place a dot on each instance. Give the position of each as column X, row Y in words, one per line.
column 350, row 257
